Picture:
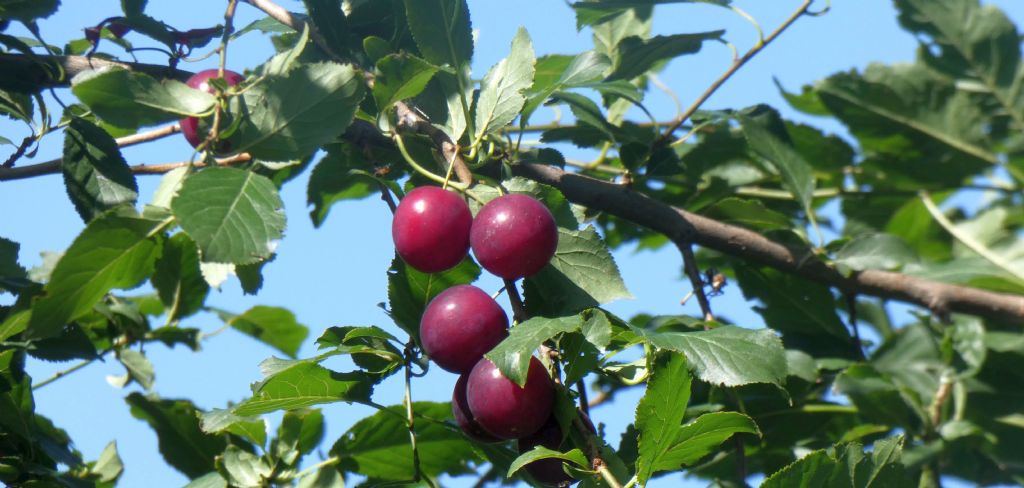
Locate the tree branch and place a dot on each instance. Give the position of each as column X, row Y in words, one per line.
column 54, row 71
column 681, row 227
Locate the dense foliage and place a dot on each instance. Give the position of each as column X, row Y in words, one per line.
column 376, row 98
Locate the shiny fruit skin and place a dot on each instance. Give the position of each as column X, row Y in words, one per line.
column 514, row 236
column 463, row 417
column 431, row 229
column 546, row 471
column 504, row 409
column 460, row 325
column 190, row 125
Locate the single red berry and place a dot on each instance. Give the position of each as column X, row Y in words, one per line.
column 190, row 125
column 460, row 325
column 514, row 236
column 463, row 417
column 503, row 408
column 431, row 229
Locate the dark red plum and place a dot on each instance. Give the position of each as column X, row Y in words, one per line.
column 514, row 236
column 190, row 125
column 431, row 229
column 460, row 325
column 463, row 417
column 503, row 408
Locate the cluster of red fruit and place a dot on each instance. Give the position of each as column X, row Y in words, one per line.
column 512, row 236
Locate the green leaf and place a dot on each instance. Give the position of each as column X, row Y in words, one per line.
column 96, row 176
column 176, row 423
column 501, row 91
column 139, row 368
column 274, row 326
column 209, row 480
column 512, row 355
column 178, row 279
column 700, row 437
column 371, row 347
column 340, row 175
column 244, row 469
column 330, row 22
column 328, row 477
column 129, row 99
column 378, row 446
column 580, row 357
column 18, row 106
column 803, row 311
column 399, row 77
column 846, row 465
column 582, row 274
column 660, row 412
column 17, row 406
column 727, row 355
column 875, row 251
column 970, row 41
column 638, row 56
column 776, row 148
column 747, row 213
column 574, row 456
column 235, row 216
column 108, row 467
column 556, row 73
column 442, row 30
column 410, row 290
column 304, row 384
column 112, row 252
column 922, row 130
column 219, row 421
column 10, row 270
column 27, row 10
column 299, row 433
column 592, row 13
column 289, row 116
column 586, row 113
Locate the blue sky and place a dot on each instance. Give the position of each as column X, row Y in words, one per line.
column 335, row 275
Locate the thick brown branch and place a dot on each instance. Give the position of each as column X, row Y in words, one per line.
column 409, row 119
column 682, row 226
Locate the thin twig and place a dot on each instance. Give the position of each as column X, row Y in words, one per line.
column 213, row 137
column 851, row 311
column 148, row 136
column 60, row 374
column 385, row 194
column 297, row 22
column 693, row 272
column 410, row 418
column 736, row 65
column 19, row 152
column 581, row 388
column 519, row 314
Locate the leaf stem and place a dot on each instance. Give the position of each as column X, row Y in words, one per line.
column 967, row 240
column 410, row 417
column 420, row 169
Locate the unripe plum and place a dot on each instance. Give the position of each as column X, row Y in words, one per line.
column 503, row 408
column 514, row 236
column 431, row 229
column 460, row 325
column 463, row 417
column 190, row 125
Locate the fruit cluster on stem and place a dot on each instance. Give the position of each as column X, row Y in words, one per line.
column 512, row 236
